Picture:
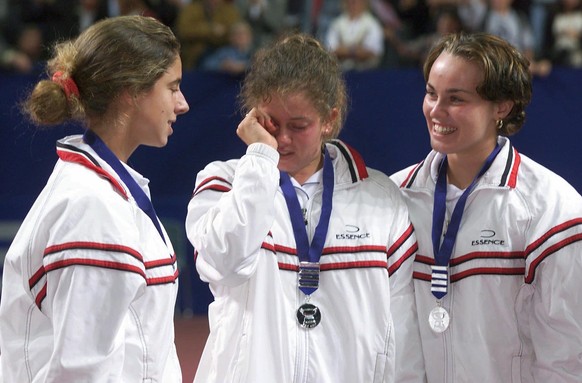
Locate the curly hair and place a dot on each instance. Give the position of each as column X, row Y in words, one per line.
column 297, row 63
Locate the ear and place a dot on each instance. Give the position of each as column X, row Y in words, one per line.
column 128, row 98
column 328, row 125
column 504, row 108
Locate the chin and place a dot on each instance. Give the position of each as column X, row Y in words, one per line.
column 284, row 168
column 439, row 146
column 161, row 143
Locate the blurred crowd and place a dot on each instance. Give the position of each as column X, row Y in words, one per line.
column 222, row 35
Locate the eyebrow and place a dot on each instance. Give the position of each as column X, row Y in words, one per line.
column 452, row 90
column 293, row 118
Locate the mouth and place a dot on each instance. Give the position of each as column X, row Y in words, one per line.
column 285, row 154
column 442, row 130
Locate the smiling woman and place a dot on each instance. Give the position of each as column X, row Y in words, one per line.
column 298, row 237
column 489, row 283
column 90, row 280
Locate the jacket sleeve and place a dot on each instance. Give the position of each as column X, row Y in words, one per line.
column 556, row 323
column 91, row 281
column 553, row 269
column 231, row 213
column 401, row 253
column 89, row 308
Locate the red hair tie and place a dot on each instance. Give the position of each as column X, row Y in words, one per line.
column 67, row 83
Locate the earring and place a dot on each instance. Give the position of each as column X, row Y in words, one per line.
column 499, row 124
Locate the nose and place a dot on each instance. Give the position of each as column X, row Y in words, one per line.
column 181, row 104
column 282, row 135
column 435, row 107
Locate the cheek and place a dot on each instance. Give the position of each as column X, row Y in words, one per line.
column 472, row 119
column 319, row 136
column 426, row 108
column 427, row 104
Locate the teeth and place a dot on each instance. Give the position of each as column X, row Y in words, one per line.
column 443, row 129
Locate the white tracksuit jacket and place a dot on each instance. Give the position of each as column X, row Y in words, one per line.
column 515, row 294
column 239, row 225
column 89, row 286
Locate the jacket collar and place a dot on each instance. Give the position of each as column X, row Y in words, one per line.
column 503, row 172
column 73, row 149
column 349, row 167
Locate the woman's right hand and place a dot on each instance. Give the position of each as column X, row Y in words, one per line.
column 256, row 127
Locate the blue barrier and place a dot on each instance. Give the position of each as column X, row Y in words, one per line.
column 384, row 123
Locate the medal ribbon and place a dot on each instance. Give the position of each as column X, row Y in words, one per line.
column 136, row 191
column 309, row 254
column 443, row 252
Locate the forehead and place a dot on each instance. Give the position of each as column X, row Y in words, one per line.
column 294, row 103
column 172, row 73
column 454, row 71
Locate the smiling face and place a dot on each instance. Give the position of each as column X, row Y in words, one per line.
column 157, row 109
column 460, row 122
column 299, row 131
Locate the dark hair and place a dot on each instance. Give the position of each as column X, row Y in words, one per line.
column 120, row 53
column 506, row 74
column 297, row 63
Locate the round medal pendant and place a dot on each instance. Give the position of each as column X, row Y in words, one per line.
column 438, row 319
column 308, row 315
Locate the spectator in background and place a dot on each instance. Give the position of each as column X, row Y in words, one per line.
column 356, row 37
column 414, row 52
column 392, row 26
column 266, row 17
column 88, row 13
column 136, row 7
column 30, row 42
column 202, row 27
column 470, row 12
column 312, row 17
column 318, row 16
column 11, row 59
column 25, row 54
column 566, row 34
column 56, row 19
column 386, row 14
column 540, row 12
column 294, row 14
column 500, row 18
column 414, row 17
column 167, row 10
column 110, row 8
column 235, row 57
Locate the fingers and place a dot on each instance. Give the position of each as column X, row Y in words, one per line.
column 268, row 124
column 256, row 127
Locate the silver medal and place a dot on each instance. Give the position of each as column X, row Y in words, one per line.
column 308, row 315
column 438, row 319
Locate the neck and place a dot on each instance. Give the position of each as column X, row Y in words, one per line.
column 117, row 141
column 303, row 175
column 463, row 168
column 461, row 176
